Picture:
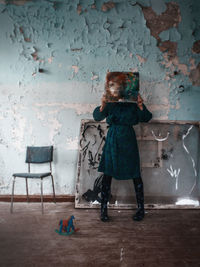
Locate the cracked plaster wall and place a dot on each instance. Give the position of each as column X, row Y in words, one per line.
column 54, row 58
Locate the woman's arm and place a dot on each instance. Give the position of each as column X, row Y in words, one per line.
column 144, row 115
column 100, row 115
column 101, row 112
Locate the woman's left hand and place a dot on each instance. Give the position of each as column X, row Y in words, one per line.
column 103, row 102
column 140, row 102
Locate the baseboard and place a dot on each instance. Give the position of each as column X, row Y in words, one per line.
column 37, row 198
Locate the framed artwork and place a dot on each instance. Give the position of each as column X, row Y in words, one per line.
column 170, row 159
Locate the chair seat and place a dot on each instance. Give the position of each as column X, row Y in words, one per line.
column 32, row 175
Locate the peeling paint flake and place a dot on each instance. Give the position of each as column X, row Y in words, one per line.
column 79, row 9
column 15, row 2
column 196, row 47
column 75, row 68
column 158, row 23
column 158, row 6
column 35, row 54
column 94, row 77
column 170, row 35
column 141, row 59
column 50, row 60
column 169, row 47
column 26, row 39
column 174, row 62
column 195, row 75
column 107, row 6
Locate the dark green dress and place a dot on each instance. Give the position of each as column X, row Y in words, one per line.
column 120, row 156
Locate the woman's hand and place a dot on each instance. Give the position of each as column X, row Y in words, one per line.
column 140, row 102
column 103, row 103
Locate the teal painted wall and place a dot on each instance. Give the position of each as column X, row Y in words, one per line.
column 54, row 58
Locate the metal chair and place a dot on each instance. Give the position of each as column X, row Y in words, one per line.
column 36, row 155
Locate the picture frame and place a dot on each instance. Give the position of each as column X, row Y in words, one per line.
column 170, row 174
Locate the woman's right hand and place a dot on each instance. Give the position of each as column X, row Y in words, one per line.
column 140, row 102
column 103, row 103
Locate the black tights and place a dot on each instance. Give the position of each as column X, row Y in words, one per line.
column 106, row 186
column 105, row 190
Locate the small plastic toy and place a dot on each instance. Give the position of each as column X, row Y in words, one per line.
column 66, row 227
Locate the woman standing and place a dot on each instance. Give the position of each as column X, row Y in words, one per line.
column 120, row 157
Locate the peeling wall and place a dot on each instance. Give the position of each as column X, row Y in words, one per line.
column 54, row 58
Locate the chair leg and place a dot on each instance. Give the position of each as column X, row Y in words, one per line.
column 27, row 190
column 42, row 195
column 12, row 197
column 53, row 189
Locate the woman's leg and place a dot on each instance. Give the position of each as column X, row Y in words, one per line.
column 138, row 184
column 105, row 194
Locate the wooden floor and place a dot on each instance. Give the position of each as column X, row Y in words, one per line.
column 165, row 238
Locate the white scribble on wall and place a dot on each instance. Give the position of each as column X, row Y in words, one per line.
column 160, row 139
column 193, row 162
column 175, row 174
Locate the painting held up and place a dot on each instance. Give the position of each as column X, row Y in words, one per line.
column 121, row 86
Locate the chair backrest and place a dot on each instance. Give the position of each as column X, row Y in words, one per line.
column 40, row 154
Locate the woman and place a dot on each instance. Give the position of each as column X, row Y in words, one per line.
column 120, row 157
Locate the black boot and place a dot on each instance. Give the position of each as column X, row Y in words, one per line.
column 105, row 194
column 138, row 184
column 104, row 214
